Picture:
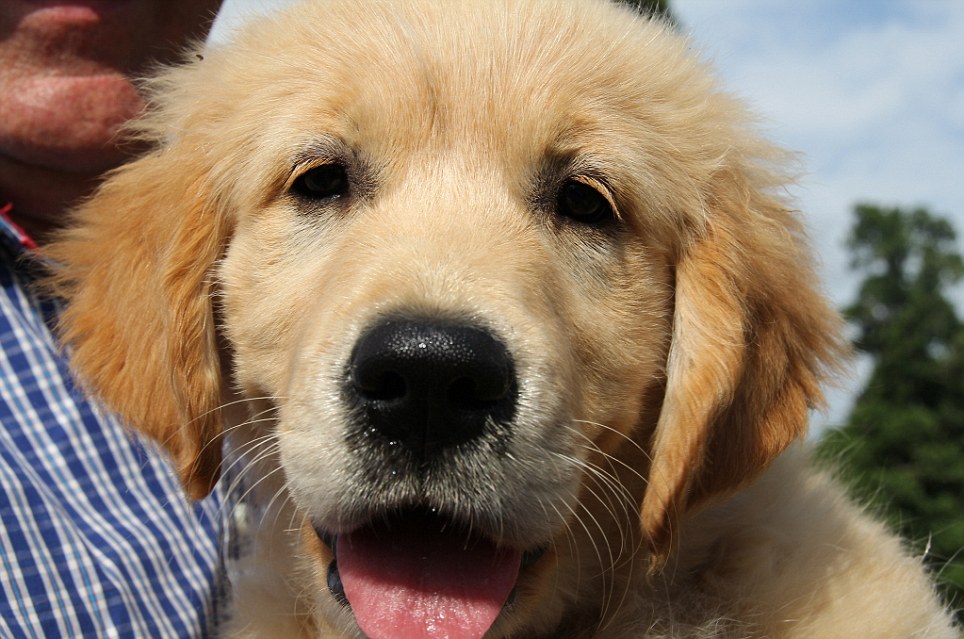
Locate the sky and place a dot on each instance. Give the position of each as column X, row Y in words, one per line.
column 870, row 93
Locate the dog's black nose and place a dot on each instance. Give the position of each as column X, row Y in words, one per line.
column 429, row 385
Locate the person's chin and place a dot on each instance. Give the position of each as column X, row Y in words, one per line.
column 74, row 122
column 74, row 126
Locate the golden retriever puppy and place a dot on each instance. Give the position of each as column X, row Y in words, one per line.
column 507, row 329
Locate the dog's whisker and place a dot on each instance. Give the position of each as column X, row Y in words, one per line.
column 294, row 513
column 620, row 506
column 255, row 418
column 602, row 479
column 264, row 446
column 626, row 438
column 273, row 401
column 600, row 559
column 249, row 490
column 613, row 496
column 606, row 567
column 573, row 549
column 247, row 424
column 604, row 576
column 283, row 506
column 242, row 451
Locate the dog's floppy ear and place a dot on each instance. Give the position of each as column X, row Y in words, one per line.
column 752, row 341
column 135, row 271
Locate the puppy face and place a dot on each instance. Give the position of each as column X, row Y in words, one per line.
column 508, row 280
column 535, row 248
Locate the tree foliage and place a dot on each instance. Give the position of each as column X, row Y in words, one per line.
column 650, row 7
column 903, row 445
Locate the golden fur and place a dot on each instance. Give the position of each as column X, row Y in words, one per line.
column 665, row 360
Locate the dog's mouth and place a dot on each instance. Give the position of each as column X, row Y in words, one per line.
column 416, row 574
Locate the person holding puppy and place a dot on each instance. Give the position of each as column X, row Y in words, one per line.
column 96, row 538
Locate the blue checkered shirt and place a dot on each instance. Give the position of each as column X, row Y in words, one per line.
column 96, row 537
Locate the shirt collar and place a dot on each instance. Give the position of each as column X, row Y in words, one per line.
column 12, row 236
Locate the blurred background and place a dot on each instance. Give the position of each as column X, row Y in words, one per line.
column 871, row 94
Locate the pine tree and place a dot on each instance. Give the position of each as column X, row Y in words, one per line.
column 903, row 445
column 654, row 7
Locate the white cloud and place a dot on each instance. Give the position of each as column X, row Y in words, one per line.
column 873, row 98
column 872, row 93
column 876, row 107
column 235, row 13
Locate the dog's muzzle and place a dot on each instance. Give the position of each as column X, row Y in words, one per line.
column 425, row 394
column 430, row 386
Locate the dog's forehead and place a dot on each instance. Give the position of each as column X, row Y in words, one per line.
column 495, row 73
column 508, row 86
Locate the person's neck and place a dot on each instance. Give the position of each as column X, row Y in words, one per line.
column 41, row 197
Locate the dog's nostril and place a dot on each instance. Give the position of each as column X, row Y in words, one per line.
column 379, row 385
column 430, row 385
column 477, row 393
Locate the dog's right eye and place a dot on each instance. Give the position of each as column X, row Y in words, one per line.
column 584, row 203
column 324, row 182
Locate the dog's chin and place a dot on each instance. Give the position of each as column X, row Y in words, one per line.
column 409, row 570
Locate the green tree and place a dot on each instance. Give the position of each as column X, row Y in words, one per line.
column 903, row 445
column 654, row 7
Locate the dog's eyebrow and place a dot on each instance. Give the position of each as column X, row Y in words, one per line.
column 570, row 164
column 559, row 163
column 327, row 148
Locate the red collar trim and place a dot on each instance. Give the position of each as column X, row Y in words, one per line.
column 25, row 240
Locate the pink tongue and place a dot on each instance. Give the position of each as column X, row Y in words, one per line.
column 415, row 581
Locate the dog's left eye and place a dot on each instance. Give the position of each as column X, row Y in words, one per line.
column 584, row 204
column 325, row 182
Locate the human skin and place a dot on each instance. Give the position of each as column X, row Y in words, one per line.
column 66, row 70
